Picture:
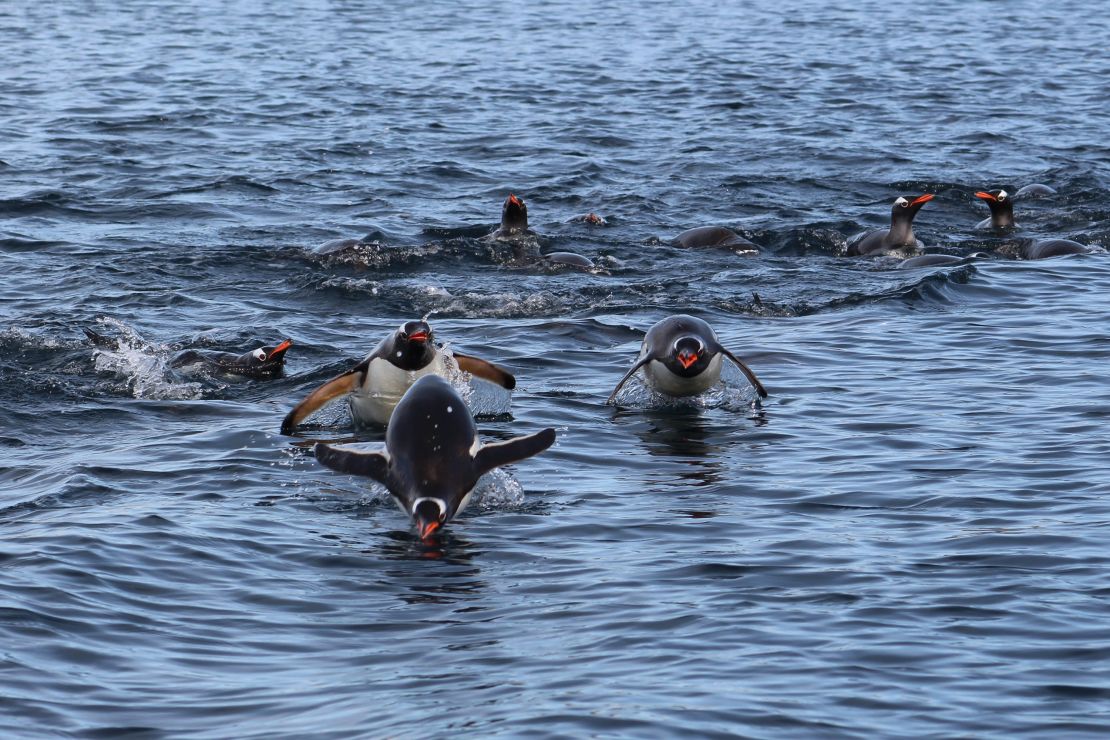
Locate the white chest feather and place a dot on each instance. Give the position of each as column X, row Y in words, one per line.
column 663, row 380
column 373, row 402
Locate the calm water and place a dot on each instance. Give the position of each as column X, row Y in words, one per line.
column 908, row 538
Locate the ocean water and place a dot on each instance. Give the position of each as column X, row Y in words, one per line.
column 907, row 538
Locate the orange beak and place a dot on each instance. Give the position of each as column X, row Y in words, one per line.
column 686, row 358
column 985, row 196
column 278, row 350
column 427, row 529
column 514, row 200
column 418, row 336
column 922, row 199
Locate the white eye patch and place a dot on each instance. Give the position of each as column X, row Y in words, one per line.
column 901, row 202
column 259, row 354
column 1002, row 194
column 438, row 502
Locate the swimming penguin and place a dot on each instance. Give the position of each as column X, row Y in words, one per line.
column 264, row 362
column 514, row 220
column 375, row 386
column 681, row 356
column 900, row 234
column 713, row 236
column 1002, row 210
column 1054, row 248
column 571, row 259
column 939, row 260
column 433, row 457
column 1035, row 190
column 514, row 228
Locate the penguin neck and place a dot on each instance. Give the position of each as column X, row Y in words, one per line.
column 1002, row 217
column 901, row 231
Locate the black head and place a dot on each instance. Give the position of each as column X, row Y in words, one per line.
column 514, row 214
column 264, row 360
column 688, row 356
column 906, row 207
column 412, row 345
column 1001, row 204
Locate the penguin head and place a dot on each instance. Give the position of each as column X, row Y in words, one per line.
column 265, row 359
column 1001, row 204
column 428, row 514
column 688, row 356
column 906, row 207
column 412, row 345
column 514, row 214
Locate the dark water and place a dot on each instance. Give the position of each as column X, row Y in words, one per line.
column 908, row 538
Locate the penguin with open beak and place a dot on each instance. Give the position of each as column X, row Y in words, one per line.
column 264, row 362
column 681, row 356
column 374, row 387
column 433, row 456
column 900, row 234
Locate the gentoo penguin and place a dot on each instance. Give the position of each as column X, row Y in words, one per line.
column 433, row 456
column 375, row 386
column 264, row 362
column 681, row 356
column 514, row 220
column 1053, row 248
column 1002, row 210
column 900, row 233
column 514, row 228
column 713, row 236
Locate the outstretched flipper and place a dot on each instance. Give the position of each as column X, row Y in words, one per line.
column 485, row 370
column 639, row 364
column 322, row 396
column 371, row 464
column 747, row 372
column 497, row 454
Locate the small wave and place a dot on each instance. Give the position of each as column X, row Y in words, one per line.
column 731, row 393
column 142, row 365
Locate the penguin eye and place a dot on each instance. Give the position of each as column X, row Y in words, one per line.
column 1002, row 195
column 901, row 202
column 259, row 354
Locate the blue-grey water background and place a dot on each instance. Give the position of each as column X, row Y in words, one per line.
column 907, row 538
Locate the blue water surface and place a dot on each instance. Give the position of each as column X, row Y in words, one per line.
column 908, row 538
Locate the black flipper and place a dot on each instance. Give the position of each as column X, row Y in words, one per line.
column 486, row 370
column 639, row 364
column 497, row 454
column 371, row 464
column 747, row 372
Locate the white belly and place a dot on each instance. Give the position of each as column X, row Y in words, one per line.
column 663, row 380
column 373, row 402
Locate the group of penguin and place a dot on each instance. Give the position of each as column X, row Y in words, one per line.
column 433, row 456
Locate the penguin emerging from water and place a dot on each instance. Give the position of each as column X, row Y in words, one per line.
column 713, row 236
column 1002, row 210
column 514, row 220
column 514, row 228
column 264, row 362
column 899, row 235
column 433, row 456
column 375, row 386
column 681, row 356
